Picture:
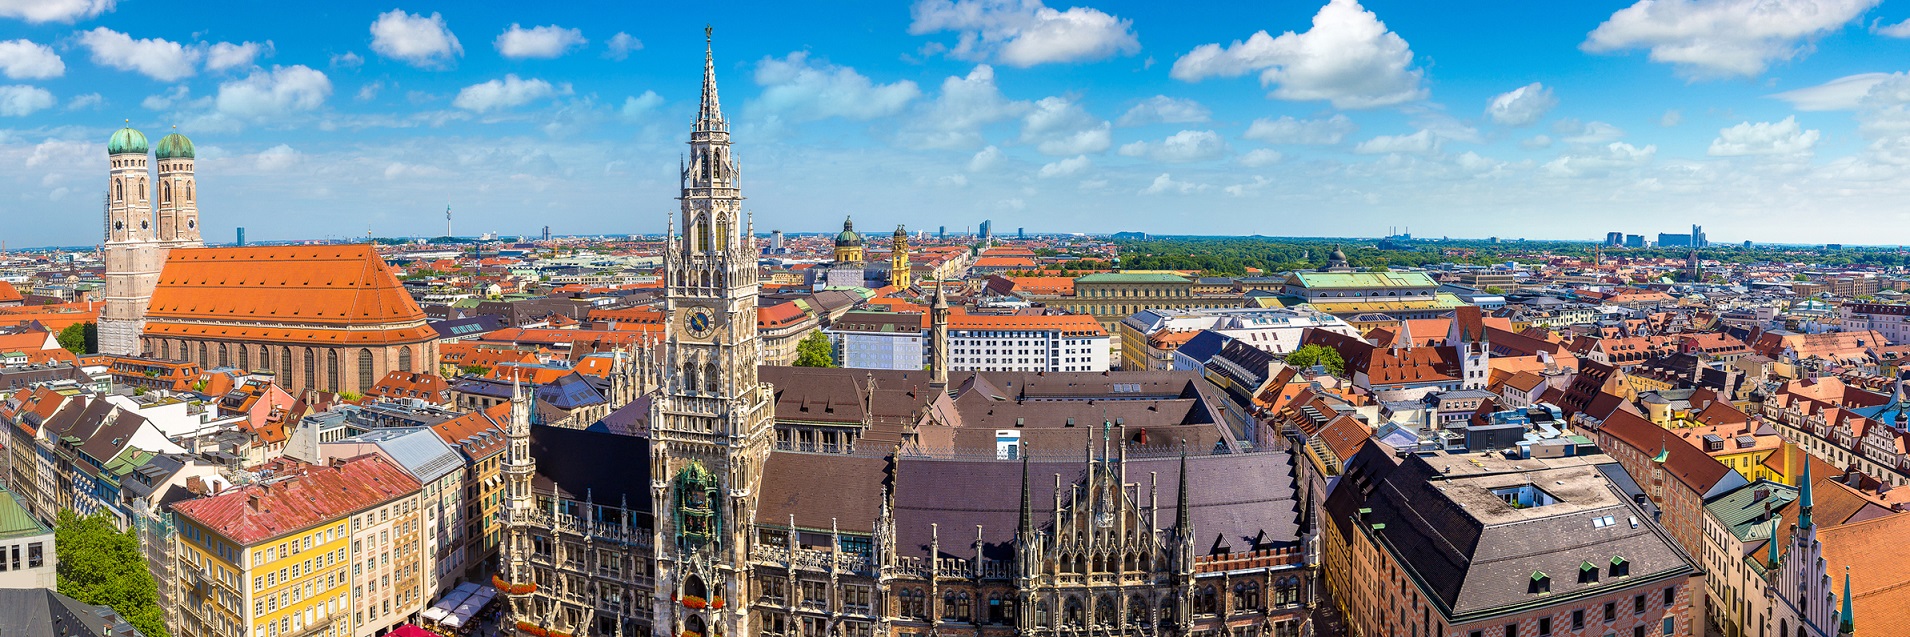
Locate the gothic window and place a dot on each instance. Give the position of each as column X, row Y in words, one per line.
column 1206, row 602
column 710, row 377
column 698, row 236
column 331, row 369
column 689, row 377
column 365, row 379
column 404, row 358
column 165, row 349
column 1137, row 611
column 265, row 358
column 311, row 369
column 119, row 190
column 245, row 359
column 165, row 193
column 1042, row 613
column 1104, row 614
column 1073, row 615
column 188, row 193
column 204, row 357
column 1287, row 591
column 950, row 606
column 722, row 232
column 142, row 189
column 1247, row 596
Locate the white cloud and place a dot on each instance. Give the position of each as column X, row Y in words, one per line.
column 1521, row 106
column 984, row 159
column 39, row 11
column 1184, row 146
column 423, row 42
column 1058, row 126
column 1423, row 142
column 162, row 60
column 1024, row 33
column 1161, row 109
column 20, row 101
column 621, row 46
column 1259, row 157
column 81, row 102
column 347, row 60
column 1715, row 38
column 1672, row 117
column 1165, row 184
column 24, row 60
column 956, row 116
column 1571, row 131
column 370, row 90
column 226, row 55
column 640, row 105
column 1602, row 161
column 281, row 91
column 510, row 92
column 276, row 158
column 1065, row 167
column 1898, row 30
column 1348, row 58
column 1785, row 137
column 545, row 42
column 1288, row 130
column 1536, row 142
column 1842, row 94
column 820, row 90
column 175, row 95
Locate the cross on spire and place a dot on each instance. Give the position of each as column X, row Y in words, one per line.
column 710, row 115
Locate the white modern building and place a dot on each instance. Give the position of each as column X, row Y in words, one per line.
column 1022, row 343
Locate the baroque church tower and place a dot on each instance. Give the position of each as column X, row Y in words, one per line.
column 710, row 426
column 137, row 240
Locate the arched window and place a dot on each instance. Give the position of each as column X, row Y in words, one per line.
column 225, row 355
column 245, row 359
column 404, row 358
column 165, row 350
column 142, row 189
column 689, row 376
column 1073, row 615
column 365, row 377
column 311, row 369
column 265, row 358
column 1104, row 614
column 722, row 232
column 204, row 357
column 949, row 606
column 285, row 366
column 331, row 369
column 188, row 192
column 699, row 237
column 710, row 378
column 119, row 190
column 1137, row 611
column 1206, row 602
column 165, row 193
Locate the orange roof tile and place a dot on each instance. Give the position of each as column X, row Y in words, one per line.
column 1074, row 324
column 8, row 294
column 300, row 294
column 311, row 496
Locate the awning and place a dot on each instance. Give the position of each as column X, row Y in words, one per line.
column 445, row 605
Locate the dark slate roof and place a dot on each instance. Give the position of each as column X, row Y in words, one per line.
column 1240, row 502
column 39, row 612
column 632, row 419
column 607, row 468
column 470, row 326
column 1204, row 345
column 821, row 489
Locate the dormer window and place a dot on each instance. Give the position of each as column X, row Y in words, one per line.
column 1620, row 567
column 1587, row 573
column 1541, row 584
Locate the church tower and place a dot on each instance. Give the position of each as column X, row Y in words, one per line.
column 514, row 578
column 848, row 245
column 178, row 196
column 133, row 257
column 899, row 259
column 710, row 426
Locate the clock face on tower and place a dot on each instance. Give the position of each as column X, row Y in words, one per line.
column 700, row 322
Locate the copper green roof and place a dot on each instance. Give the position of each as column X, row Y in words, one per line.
column 15, row 522
column 1336, row 280
column 126, row 140
column 174, row 146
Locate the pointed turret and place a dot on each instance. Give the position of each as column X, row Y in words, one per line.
column 1026, row 529
column 1804, row 498
column 1183, row 523
column 1846, row 619
column 938, row 339
column 709, row 117
column 1771, row 556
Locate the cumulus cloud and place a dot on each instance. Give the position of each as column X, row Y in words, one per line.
column 1348, row 58
column 1287, row 130
column 1572, row 131
column 621, row 46
column 162, row 60
column 1423, row 142
column 276, row 158
column 1601, row 161
column 1259, row 157
column 1184, row 146
column 175, row 95
column 82, row 102
column 955, row 117
column 25, row 60
column 347, row 60
column 1165, row 184
column 1842, row 94
column 21, row 101
column 545, row 42
column 1721, row 38
column 1898, row 30
column 640, row 105
column 1065, row 167
column 1161, row 109
column 281, row 91
column 507, row 93
column 807, row 91
column 1521, row 106
column 984, row 159
column 1785, row 137
column 1024, row 33
column 1060, row 127
column 226, row 55
column 421, row 41
column 40, row 11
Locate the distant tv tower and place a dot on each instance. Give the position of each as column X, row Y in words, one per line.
column 447, row 220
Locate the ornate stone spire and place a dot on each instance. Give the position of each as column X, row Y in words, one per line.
column 710, row 115
column 1183, row 523
column 1027, row 526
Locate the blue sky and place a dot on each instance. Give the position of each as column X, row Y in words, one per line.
column 1769, row 120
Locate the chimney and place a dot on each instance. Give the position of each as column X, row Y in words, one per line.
column 252, row 502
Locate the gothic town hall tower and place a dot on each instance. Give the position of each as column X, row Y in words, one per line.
column 711, row 426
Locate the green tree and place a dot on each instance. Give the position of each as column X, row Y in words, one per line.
column 101, row 565
column 814, row 351
column 1310, row 355
column 74, row 338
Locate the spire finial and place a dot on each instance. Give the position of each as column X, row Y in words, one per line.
column 706, row 33
column 710, row 116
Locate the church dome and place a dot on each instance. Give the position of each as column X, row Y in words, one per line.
column 126, row 141
column 174, row 146
column 848, row 237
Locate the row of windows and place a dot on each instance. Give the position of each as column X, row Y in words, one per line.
column 240, row 356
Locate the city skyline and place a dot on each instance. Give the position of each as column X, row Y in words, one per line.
column 1543, row 122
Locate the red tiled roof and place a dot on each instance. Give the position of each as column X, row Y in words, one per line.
column 332, row 294
column 8, row 294
column 1071, row 324
column 311, row 496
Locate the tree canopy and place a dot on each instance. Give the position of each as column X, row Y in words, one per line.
column 814, row 351
column 1310, row 355
column 76, row 338
column 101, row 565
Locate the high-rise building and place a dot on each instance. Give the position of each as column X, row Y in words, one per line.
column 987, row 232
column 1634, row 241
column 546, row 233
column 138, row 238
column 775, row 241
column 941, row 233
column 241, row 238
column 1697, row 236
column 1614, row 239
column 1021, row 234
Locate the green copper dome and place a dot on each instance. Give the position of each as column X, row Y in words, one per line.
column 127, row 140
column 848, row 237
column 174, row 146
